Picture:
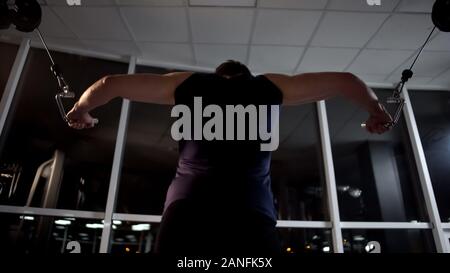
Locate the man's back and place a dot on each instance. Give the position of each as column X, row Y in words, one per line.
column 227, row 171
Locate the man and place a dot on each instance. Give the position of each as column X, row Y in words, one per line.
column 220, row 200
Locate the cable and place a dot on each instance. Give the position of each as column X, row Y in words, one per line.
column 422, row 47
column 62, row 85
column 45, row 46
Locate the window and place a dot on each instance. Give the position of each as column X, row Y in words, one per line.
column 376, row 175
column 35, row 137
column 388, row 241
column 30, row 234
column 7, row 55
column 432, row 113
column 305, row 240
column 297, row 173
column 133, row 237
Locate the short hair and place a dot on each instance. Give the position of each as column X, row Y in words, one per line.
column 232, row 68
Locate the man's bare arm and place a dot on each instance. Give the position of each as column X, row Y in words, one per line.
column 151, row 88
column 311, row 87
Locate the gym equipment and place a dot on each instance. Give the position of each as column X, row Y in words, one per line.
column 5, row 20
column 441, row 20
column 9, row 179
column 441, row 15
column 65, row 92
column 26, row 16
column 51, row 174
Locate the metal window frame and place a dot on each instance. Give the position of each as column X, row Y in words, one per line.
column 330, row 179
column 13, row 80
column 52, row 212
column 137, row 217
column 441, row 231
column 442, row 244
column 116, row 169
column 386, row 225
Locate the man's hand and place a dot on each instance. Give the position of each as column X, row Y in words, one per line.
column 79, row 119
column 378, row 120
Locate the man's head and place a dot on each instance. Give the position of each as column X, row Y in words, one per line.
column 231, row 69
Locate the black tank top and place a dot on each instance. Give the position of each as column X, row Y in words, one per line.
column 232, row 173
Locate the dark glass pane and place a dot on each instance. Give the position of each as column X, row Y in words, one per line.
column 48, row 235
column 133, row 237
column 432, row 113
column 376, row 174
column 7, row 55
column 297, row 173
column 35, row 132
column 388, row 241
column 301, row 240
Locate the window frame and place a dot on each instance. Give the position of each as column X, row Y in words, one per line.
column 440, row 230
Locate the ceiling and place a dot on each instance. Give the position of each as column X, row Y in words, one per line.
column 286, row 36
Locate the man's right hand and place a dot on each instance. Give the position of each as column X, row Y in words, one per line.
column 79, row 119
column 379, row 120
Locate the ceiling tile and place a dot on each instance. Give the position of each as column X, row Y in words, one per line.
column 417, row 80
column 440, row 42
column 285, row 27
column 61, row 43
column 327, row 59
column 151, row 2
column 115, row 47
column 221, row 25
column 403, row 31
column 213, row 55
column 429, row 64
column 416, row 6
column 372, row 78
column 361, row 5
column 265, row 59
column 222, row 3
column 167, row 52
column 86, row 24
column 443, row 79
column 164, row 24
column 372, row 61
column 8, row 38
column 293, row 4
column 83, row 2
column 51, row 25
column 345, row 29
